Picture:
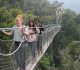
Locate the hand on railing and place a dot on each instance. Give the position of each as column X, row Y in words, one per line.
column 3, row 31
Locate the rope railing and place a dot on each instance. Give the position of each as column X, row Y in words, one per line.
column 44, row 40
column 12, row 52
column 29, row 27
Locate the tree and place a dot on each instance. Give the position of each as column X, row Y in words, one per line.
column 44, row 63
column 70, row 56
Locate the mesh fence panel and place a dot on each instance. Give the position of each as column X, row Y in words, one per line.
column 9, row 60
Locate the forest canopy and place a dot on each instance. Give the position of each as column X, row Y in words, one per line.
column 65, row 53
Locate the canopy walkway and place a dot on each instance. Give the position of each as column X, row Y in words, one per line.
column 7, row 58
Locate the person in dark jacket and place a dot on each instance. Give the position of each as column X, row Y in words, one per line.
column 41, row 28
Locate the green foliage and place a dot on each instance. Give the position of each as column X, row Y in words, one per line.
column 66, row 43
column 65, row 51
column 71, row 56
column 16, row 11
column 71, row 13
column 74, row 49
column 77, row 19
column 44, row 64
column 46, row 19
column 7, row 16
column 69, row 26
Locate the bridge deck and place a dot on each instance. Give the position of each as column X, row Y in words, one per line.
column 31, row 66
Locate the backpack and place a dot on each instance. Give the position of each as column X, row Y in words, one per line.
column 41, row 28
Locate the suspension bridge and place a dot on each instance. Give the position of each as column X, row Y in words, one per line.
column 7, row 58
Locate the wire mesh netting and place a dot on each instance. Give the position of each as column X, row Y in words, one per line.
column 12, row 58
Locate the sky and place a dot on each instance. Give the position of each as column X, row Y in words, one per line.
column 72, row 4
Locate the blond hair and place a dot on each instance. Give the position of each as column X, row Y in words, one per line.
column 21, row 17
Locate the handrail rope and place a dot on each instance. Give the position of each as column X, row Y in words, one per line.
column 25, row 27
column 11, row 47
column 5, row 28
column 12, row 52
column 18, row 27
column 29, row 27
column 5, row 40
column 53, row 27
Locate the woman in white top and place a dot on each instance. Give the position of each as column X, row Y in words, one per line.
column 17, row 32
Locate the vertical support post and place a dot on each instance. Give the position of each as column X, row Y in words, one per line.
column 59, row 12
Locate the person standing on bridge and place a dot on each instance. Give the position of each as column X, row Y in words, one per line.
column 41, row 28
column 18, row 35
column 32, row 38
